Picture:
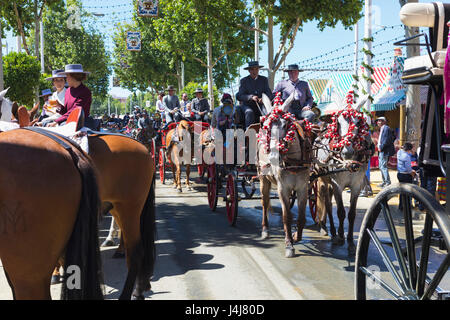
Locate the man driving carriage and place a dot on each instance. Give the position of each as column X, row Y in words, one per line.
column 250, row 93
column 171, row 106
column 301, row 106
column 200, row 106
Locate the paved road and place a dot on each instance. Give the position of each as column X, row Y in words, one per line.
column 201, row 257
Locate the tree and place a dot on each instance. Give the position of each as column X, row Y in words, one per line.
column 76, row 46
column 22, row 73
column 21, row 15
column 291, row 15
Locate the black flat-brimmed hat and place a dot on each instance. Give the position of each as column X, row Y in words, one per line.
column 292, row 67
column 74, row 68
column 253, row 64
column 198, row 90
column 170, row 88
column 57, row 74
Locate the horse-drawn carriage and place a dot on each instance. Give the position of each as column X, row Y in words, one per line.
column 415, row 253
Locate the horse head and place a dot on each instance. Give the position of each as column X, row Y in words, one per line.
column 6, row 107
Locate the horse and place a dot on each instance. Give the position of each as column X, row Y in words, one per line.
column 283, row 162
column 175, row 151
column 45, row 211
column 126, row 175
column 334, row 151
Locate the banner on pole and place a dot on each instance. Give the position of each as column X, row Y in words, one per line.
column 133, row 41
column 147, row 8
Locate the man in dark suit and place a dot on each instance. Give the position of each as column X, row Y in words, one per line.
column 200, row 106
column 250, row 93
column 386, row 149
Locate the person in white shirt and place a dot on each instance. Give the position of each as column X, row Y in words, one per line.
column 57, row 99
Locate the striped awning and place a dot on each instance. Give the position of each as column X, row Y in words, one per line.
column 317, row 87
column 342, row 82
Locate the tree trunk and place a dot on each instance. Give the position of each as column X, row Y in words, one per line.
column 2, row 84
column 210, row 71
column 271, row 63
column 20, row 27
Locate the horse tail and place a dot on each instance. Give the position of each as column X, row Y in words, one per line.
column 148, row 233
column 83, row 274
column 144, row 255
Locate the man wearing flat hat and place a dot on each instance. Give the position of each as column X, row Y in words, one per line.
column 200, row 106
column 301, row 107
column 171, row 105
column 250, row 93
column 386, row 149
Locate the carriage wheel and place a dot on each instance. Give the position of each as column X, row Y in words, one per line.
column 312, row 199
column 212, row 186
column 415, row 261
column 162, row 165
column 248, row 186
column 231, row 200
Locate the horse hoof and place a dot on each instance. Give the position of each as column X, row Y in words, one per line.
column 139, row 297
column 108, row 243
column 323, row 232
column 179, row 190
column 337, row 240
column 264, row 235
column 289, row 252
column 55, row 279
column 118, row 255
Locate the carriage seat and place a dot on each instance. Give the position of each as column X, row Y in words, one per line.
column 422, row 69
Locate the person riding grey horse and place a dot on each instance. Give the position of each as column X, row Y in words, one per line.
column 250, row 93
column 303, row 100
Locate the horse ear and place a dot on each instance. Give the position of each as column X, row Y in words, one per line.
column 3, row 93
column 14, row 109
column 361, row 102
column 267, row 103
column 287, row 103
column 34, row 111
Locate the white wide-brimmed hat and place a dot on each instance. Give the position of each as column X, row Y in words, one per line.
column 57, row 74
column 3, row 94
column 74, row 68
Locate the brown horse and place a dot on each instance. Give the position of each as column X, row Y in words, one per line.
column 175, row 151
column 127, row 190
column 48, row 205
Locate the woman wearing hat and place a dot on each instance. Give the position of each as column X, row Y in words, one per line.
column 57, row 100
column 77, row 95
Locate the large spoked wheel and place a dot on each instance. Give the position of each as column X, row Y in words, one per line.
column 312, row 199
column 212, row 186
column 397, row 257
column 248, row 186
column 231, row 200
column 162, row 165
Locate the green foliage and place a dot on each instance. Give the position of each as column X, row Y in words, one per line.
column 71, row 46
column 21, row 74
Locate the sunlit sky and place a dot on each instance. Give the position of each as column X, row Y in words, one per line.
column 310, row 42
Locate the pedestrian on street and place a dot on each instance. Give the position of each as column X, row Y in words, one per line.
column 405, row 173
column 386, row 149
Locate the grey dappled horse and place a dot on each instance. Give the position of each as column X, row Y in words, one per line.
column 353, row 179
column 272, row 171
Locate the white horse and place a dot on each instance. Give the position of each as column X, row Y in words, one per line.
column 286, row 169
column 356, row 160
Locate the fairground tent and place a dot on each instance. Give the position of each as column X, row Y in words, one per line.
column 333, row 97
column 317, row 87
